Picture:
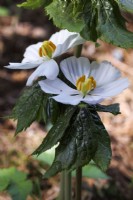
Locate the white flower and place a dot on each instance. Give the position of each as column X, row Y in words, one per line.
column 41, row 55
column 92, row 82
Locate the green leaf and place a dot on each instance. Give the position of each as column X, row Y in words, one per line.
column 10, row 175
column 84, row 139
column 17, row 176
column 95, row 19
column 20, row 190
column 72, row 21
column 28, row 107
column 111, row 25
column 4, row 179
column 15, row 183
column 114, row 108
column 126, row 5
column 103, row 153
column 56, row 132
column 33, row 4
column 4, row 11
column 77, row 146
column 36, row 189
column 65, row 154
column 105, row 22
column 46, row 157
column 92, row 171
column 3, row 183
column 89, row 31
column 54, row 110
column 81, row 137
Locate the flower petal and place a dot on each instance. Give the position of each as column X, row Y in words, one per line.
column 111, row 89
column 31, row 52
column 104, row 72
column 55, row 87
column 27, row 65
column 65, row 40
column 90, row 99
column 73, row 68
column 49, row 69
column 68, row 99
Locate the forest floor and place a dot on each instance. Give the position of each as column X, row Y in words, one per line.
column 22, row 28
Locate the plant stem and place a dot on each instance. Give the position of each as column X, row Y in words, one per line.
column 78, row 183
column 62, row 186
column 77, row 53
column 78, row 50
column 68, row 186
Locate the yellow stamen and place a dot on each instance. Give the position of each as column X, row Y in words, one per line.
column 47, row 49
column 85, row 85
column 79, row 82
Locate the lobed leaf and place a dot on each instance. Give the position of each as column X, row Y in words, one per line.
column 15, row 183
column 46, row 157
column 20, row 190
column 33, row 4
column 103, row 153
column 111, row 26
column 114, row 108
column 65, row 16
column 27, row 108
column 85, row 139
column 89, row 31
column 53, row 110
column 94, row 19
column 92, row 171
column 56, row 132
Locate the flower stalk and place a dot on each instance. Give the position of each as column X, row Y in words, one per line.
column 78, row 50
column 66, row 177
column 62, row 186
column 68, row 186
column 77, row 53
column 78, row 183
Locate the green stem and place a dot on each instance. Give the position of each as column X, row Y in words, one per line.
column 78, row 50
column 68, row 186
column 62, row 186
column 78, row 183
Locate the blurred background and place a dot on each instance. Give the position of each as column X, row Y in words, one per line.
column 18, row 29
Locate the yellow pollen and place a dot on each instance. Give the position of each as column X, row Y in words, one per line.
column 47, row 49
column 85, row 85
column 79, row 82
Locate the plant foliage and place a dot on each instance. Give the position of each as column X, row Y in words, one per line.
column 15, row 183
column 77, row 131
column 81, row 137
column 29, row 107
column 33, row 4
column 90, row 171
column 92, row 19
column 57, row 131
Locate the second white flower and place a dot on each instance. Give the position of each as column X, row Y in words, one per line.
column 92, row 83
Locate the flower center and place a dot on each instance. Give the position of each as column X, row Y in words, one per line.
column 47, row 49
column 85, row 85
